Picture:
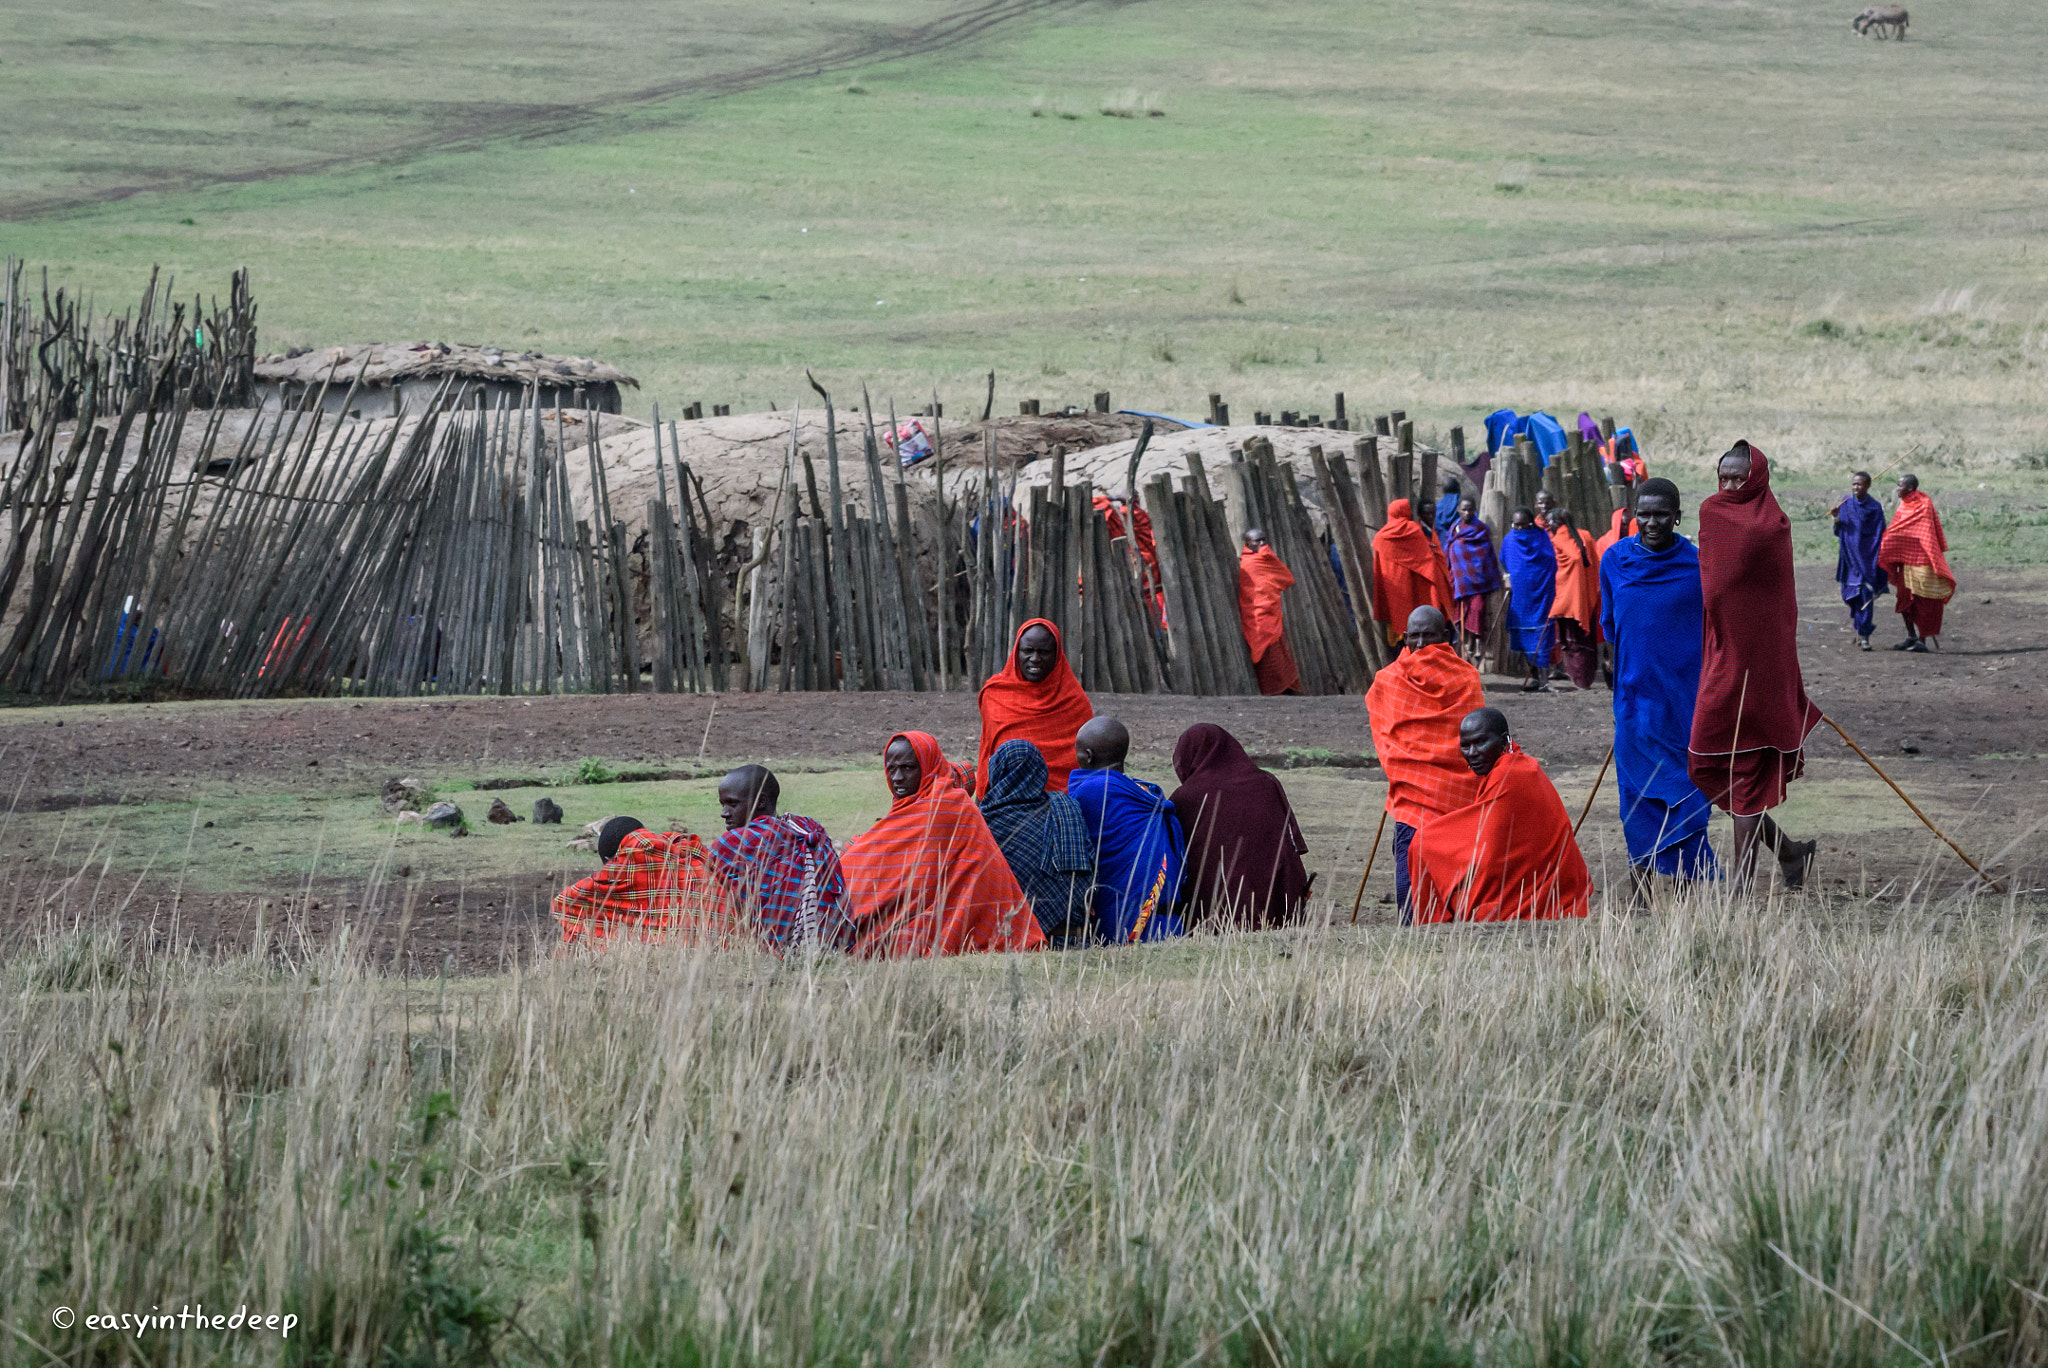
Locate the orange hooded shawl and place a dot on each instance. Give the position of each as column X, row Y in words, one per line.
column 1415, row 706
column 929, row 878
column 1578, row 578
column 1408, row 570
column 1509, row 856
column 1048, row 714
column 1261, row 579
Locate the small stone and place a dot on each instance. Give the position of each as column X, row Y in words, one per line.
column 442, row 815
column 547, row 812
column 400, row 794
column 501, row 814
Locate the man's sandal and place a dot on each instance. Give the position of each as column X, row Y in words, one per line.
column 1795, row 869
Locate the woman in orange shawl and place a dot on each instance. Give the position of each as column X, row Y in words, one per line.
column 1510, row 855
column 929, row 878
column 1262, row 577
column 1408, row 571
column 1575, row 607
column 1034, row 698
column 1623, row 524
column 1913, row 555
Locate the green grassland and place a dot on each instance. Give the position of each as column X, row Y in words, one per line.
column 1710, row 220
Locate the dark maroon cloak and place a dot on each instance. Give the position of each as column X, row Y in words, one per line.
column 1244, row 846
column 1751, row 697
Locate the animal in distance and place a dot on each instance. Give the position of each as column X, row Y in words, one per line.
column 1885, row 21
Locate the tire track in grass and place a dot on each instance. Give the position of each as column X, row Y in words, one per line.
column 511, row 123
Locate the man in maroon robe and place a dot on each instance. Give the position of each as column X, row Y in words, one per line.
column 1750, row 723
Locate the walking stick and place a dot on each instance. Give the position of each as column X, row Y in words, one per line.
column 1355, row 902
column 1911, row 804
column 1595, row 793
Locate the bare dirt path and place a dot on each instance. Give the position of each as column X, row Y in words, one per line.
column 515, row 122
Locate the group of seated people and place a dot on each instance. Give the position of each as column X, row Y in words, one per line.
column 1048, row 843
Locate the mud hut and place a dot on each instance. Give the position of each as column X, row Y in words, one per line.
column 387, row 374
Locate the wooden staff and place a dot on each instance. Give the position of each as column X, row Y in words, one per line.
column 1993, row 883
column 1358, row 901
column 1596, row 791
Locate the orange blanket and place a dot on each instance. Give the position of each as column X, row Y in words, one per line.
column 1578, row 578
column 1510, row 856
column 1262, row 577
column 1622, row 525
column 929, row 878
column 1048, row 714
column 1408, row 570
column 1914, row 537
column 661, row 884
column 1415, row 706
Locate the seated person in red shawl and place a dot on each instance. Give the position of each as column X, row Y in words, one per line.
column 654, row 885
column 1261, row 579
column 1912, row 555
column 782, row 869
column 1035, row 698
column 929, row 878
column 1750, row 723
column 1408, row 571
column 1508, row 856
column 1475, row 573
column 1575, row 603
column 1244, row 846
column 1137, row 840
column 1414, row 707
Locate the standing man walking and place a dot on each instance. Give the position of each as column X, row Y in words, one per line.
column 1859, row 528
column 1913, row 554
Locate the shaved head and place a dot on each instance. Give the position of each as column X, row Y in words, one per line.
column 1483, row 739
column 746, row 793
column 1103, row 744
column 1427, row 626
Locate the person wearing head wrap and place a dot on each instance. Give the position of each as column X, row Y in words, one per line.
column 1447, row 507
column 1575, row 600
column 1750, row 723
column 654, row 886
column 1413, row 707
column 1408, row 571
column 1508, row 855
column 1140, row 850
column 1913, row 554
column 1651, row 611
column 1262, row 578
column 929, row 878
column 1859, row 533
column 1045, row 840
column 1531, row 560
column 1244, row 846
column 1034, row 697
column 1475, row 572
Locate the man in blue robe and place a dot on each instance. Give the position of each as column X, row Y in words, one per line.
column 1651, row 610
column 1139, row 847
column 1530, row 558
column 1859, row 527
column 1447, row 506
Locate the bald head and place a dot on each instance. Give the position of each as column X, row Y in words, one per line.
column 746, row 793
column 1483, row 738
column 1427, row 626
column 1103, row 743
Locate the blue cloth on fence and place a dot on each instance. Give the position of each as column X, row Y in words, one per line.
column 1651, row 610
column 1502, row 427
column 1042, row 835
column 1531, row 559
column 1859, row 528
column 1547, row 434
column 1139, row 851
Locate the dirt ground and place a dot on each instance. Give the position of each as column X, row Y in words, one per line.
column 1964, row 731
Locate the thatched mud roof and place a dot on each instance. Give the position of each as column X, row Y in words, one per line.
column 394, row 362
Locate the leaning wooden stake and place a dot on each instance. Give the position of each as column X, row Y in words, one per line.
column 1993, row 883
column 1596, row 791
column 1360, row 899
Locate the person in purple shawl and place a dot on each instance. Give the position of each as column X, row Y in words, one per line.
column 1475, row 573
column 1531, row 562
column 1244, row 845
column 1859, row 527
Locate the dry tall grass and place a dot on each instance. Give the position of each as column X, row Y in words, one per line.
column 1774, row 1135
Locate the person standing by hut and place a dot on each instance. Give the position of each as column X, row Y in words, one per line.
column 1408, row 572
column 1475, row 573
column 1752, row 717
column 1261, row 579
column 1859, row 531
column 1531, row 560
column 1575, row 602
column 1913, row 553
